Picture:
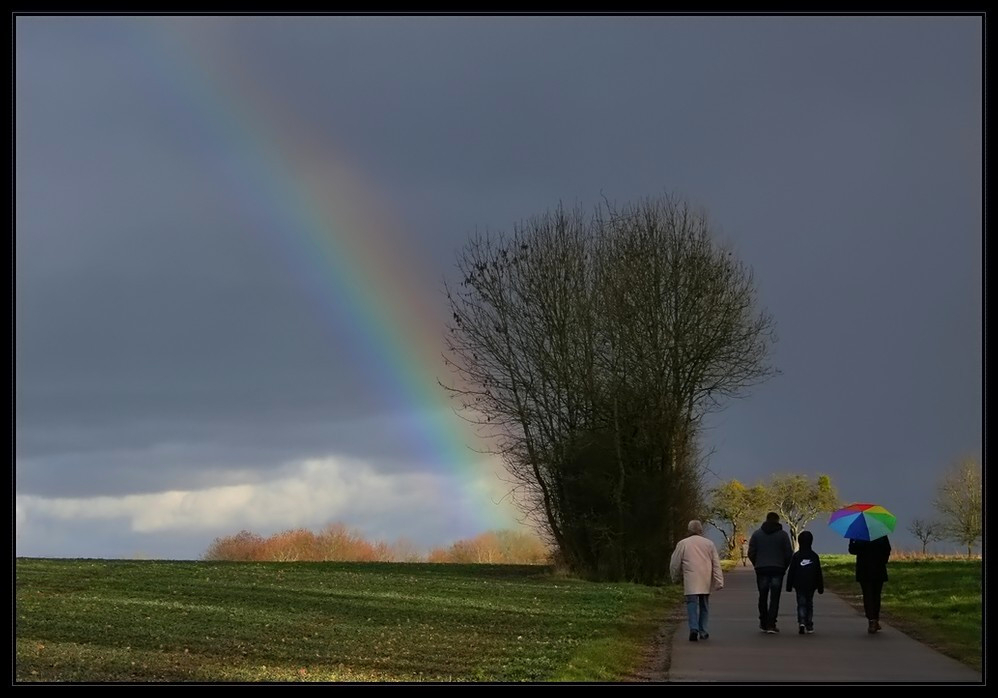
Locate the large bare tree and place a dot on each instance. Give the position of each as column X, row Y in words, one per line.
column 590, row 347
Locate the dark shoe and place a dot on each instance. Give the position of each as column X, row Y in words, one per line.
column 809, row 629
column 774, row 628
column 876, row 626
column 800, row 629
column 771, row 630
column 872, row 627
column 704, row 636
column 693, row 636
column 763, row 627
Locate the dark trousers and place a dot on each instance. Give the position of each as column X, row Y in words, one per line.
column 805, row 608
column 871, row 598
column 770, row 586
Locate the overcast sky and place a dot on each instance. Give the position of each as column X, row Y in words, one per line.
column 231, row 235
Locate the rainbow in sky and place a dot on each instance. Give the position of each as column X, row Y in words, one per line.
column 334, row 233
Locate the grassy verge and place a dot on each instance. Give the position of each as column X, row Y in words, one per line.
column 937, row 601
column 615, row 657
column 96, row 620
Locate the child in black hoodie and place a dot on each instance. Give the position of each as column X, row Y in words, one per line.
column 804, row 575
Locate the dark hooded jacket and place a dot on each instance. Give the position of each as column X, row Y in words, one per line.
column 871, row 559
column 769, row 549
column 804, row 573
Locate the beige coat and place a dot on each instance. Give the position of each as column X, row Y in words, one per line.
column 697, row 561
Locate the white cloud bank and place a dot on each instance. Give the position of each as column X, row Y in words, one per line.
column 427, row 507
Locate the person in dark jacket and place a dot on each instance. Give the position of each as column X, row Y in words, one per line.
column 871, row 573
column 770, row 551
column 805, row 576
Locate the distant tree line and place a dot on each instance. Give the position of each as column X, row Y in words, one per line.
column 337, row 542
column 736, row 510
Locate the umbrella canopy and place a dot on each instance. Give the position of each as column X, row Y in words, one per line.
column 862, row 521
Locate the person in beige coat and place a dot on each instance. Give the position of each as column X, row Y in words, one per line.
column 697, row 562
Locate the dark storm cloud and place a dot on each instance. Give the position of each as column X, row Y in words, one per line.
column 134, row 456
column 158, row 341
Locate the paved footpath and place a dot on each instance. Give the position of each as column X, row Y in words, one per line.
column 840, row 649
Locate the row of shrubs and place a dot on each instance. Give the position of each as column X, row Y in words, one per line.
column 337, row 542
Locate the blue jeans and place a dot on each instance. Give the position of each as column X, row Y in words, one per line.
column 770, row 586
column 697, row 608
column 805, row 608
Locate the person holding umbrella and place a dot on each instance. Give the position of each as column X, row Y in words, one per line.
column 871, row 573
column 866, row 526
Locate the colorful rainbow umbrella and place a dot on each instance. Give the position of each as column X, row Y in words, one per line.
column 862, row 521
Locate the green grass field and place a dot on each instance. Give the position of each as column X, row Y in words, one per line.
column 99, row 620
column 937, row 601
